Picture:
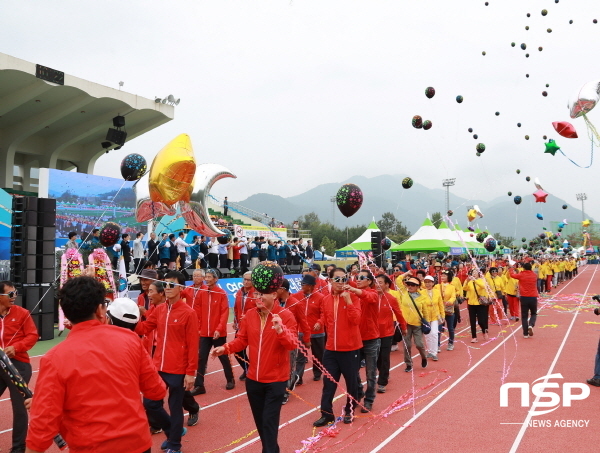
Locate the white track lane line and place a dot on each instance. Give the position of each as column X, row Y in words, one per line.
column 525, row 424
column 454, row 384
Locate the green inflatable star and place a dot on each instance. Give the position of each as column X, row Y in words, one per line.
column 551, row 147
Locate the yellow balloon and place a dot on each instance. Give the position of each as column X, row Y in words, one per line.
column 586, row 223
column 172, row 172
column 471, row 215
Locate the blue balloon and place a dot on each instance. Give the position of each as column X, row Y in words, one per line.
column 561, row 225
column 518, row 199
column 540, row 216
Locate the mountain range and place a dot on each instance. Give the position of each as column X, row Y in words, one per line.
column 411, row 206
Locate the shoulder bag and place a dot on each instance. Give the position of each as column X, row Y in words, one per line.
column 481, row 299
column 425, row 326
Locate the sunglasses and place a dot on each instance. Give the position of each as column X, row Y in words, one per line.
column 11, row 294
column 170, row 285
column 411, row 284
column 339, row 279
column 362, row 277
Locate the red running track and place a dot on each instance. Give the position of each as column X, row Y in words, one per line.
column 459, row 411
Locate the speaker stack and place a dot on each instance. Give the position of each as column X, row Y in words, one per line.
column 32, row 259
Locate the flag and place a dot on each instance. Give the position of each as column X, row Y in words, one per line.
column 122, row 290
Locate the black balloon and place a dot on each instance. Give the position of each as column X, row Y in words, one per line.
column 349, row 199
column 430, row 92
column 109, row 234
column 407, row 183
column 226, row 236
column 133, row 167
column 517, row 199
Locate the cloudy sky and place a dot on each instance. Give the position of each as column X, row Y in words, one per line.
column 289, row 94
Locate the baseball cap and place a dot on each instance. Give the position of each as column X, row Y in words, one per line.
column 414, row 280
column 429, row 277
column 315, row 267
column 124, row 312
column 285, row 284
column 308, row 280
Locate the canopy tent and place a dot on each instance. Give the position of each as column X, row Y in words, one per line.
column 451, row 236
column 426, row 239
column 476, row 247
column 362, row 244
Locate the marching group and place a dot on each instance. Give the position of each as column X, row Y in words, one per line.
column 342, row 319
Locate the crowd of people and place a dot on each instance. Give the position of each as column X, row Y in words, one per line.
column 341, row 320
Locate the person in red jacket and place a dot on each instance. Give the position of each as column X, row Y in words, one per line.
column 388, row 308
column 269, row 331
column 191, row 294
column 369, row 331
column 89, row 385
column 212, row 318
column 17, row 336
column 245, row 299
column 341, row 316
column 146, row 277
column 297, row 308
column 314, row 318
column 175, row 357
column 528, row 296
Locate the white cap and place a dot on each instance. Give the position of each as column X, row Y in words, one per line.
column 124, row 310
column 429, row 277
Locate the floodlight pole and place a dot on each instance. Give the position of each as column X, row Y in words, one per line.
column 582, row 197
column 333, row 200
column 447, row 183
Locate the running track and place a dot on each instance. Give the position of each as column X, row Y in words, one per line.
column 456, row 408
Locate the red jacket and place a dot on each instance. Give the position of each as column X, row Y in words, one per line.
column 298, row 308
column 176, row 337
column 17, row 329
column 313, row 311
column 244, row 301
column 214, row 312
column 321, row 285
column 527, row 283
column 342, row 325
column 143, row 300
column 191, row 294
column 89, row 390
column 268, row 351
column 388, row 306
column 369, row 318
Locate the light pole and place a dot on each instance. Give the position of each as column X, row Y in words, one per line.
column 582, row 197
column 333, row 200
column 447, row 183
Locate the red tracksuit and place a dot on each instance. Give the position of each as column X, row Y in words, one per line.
column 388, row 307
column 342, row 323
column 214, row 312
column 17, row 329
column 369, row 319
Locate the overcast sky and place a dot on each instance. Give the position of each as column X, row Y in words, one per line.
column 290, row 94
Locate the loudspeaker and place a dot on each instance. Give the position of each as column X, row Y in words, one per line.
column 46, row 205
column 45, row 261
column 31, row 297
column 25, row 233
column 116, row 137
column 47, row 233
column 295, row 269
column 119, row 121
column 25, row 218
column 224, row 272
column 46, row 219
column 45, row 325
column 46, row 247
column 45, row 275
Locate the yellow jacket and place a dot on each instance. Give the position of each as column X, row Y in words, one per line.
column 511, row 285
column 548, row 269
column 471, row 294
column 408, row 309
column 433, row 305
column 448, row 295
column 458, row 286
column 397, row 295
column 495, row 283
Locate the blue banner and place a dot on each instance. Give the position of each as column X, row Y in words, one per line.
column 232, row 285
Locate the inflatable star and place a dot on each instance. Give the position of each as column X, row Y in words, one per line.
column 551, row 147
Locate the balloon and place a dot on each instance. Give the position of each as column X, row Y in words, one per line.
column 540, row 196
column 527, row 178
column 440, row 255
column 386, row 243
column 226, row 236
column 510, row 194
column 471, row 229
column 523, row 240
column 490, row 244
column 517, row 199
column 109, row 234
column 349, row 199
column 537, row 184
column 585, row 99
column 475, row 136
column 427, row 125
column 478, row 154
column 267, row 277
column 564, row 206
column 470, row 129
column 172, row 172
column 133, row 167
column 480, row 237
column 518, row 172
column 459, row 99
column 450, row 212
column 497, row 113
column 527, row 137
column 145, row 208
column 480, row 147
column 551, row 147
column 523, row 46
column 196, row 212
column 565, row 129
column 417, row 122
column 559, row 230
column 542, row 236
column 586, row 223
column 430, row 92
column 471, row 214
column 477, row 211
column 512, row 44
column 564, row 222
column 544, row 93
column 407, row 183
column 540, row 216
column 561, row 225
column 518, row 124
column 544, row 12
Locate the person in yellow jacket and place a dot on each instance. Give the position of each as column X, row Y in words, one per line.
column 448, row 293
column 496, row 284
column 556, row 270
column 408, row 300
column 474, row 286
column 511, row 288
column 434, row 312
column 549, row 271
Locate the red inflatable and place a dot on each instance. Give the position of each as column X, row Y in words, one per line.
column 565, row 129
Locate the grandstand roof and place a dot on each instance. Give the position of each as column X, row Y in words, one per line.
column 49, row 125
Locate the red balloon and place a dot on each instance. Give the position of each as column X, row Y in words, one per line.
column 540, row 196
column 565, row 129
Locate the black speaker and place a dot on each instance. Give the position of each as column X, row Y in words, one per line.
column 45, row 275
column 29, row 276
column 25, row 218
column 45, row 261
column 116, row 137
column 46, row 247
column 18, row 204
column 46, row 219
column 44, row 323
column 25, row 233
column 119, row 121
column 47, row 205
column 224, row 272
column 295, row 269
column 47, row 233
column 31, row 297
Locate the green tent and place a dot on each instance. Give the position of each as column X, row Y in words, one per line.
column 426, row 239
column 362, row 244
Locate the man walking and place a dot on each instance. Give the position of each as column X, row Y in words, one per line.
column 529, row 294
column 152, row 252
column 245, row 299
column 126, row 250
